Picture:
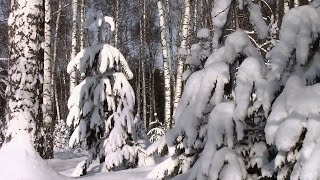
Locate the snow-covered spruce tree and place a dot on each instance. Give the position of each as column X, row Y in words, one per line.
column 26, row 33
column 101, row 109
column 61, row 136
column 294, row 122
column 219, row 119
column 157, row 130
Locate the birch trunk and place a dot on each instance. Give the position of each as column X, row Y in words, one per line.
column 166, row 73
column 26, row 33
column 73, row 77
column 47, row 88
column 116, row 25
column 171, row 38
column 185, row 34
column 82, row 16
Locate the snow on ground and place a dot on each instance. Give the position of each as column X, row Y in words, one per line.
column 65, row 163
column 19, row 161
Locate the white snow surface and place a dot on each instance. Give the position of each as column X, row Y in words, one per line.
column 257, row 20
column 296, row 110
column 300, row 27
column 19, row 161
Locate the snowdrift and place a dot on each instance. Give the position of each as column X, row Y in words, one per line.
column 20, row 161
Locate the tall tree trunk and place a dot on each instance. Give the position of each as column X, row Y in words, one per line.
column 26, row 34
column 73, row 77
column 82, row 16
column 47, row 88
column 142, row 57
column 166, row 73
column 117, row 19
column 185, row 34
column 54, row 61
column 168, row 7
column 138, row 88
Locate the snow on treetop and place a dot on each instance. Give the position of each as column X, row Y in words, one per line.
column 97, row 19
column 110, row 59
column 236, row 43
column 296, row 103
column 199, row 86
column 251, row 74
column 257, row 20
column 300, row 27
column 219, row 12
column 295, row 112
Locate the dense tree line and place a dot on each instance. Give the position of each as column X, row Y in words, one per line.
column 216, row 77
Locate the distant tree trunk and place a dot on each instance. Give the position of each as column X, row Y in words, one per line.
column 117, row 18
column 296, row 3
column 151, row 93
column 166, row 72
column 138, row 87
column 278, row 13
column 168, row 7
column 54, row 61
column 73, row 76
column 47, row 88
column 26, row 32
column 185, row 33
column 82, row 17
column 142, row 57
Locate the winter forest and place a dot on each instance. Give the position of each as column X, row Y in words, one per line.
column 160, row 89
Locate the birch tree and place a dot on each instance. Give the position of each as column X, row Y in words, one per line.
column 142, row 59
column 82, row 16
column 47, row 88
column 116, row 34
column 185, row 30
column 166, row 73
column 24, row 114
column 73, row 78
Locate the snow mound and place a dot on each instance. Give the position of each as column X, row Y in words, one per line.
column 203, row 33
column 19, row 161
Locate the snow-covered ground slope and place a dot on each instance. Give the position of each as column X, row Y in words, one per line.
column 66, row 162
column 19, row 161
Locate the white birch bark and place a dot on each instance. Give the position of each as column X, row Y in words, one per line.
column 47, row 88
column 296, row 3
column 185, row 34
column 24, row 113
column 73, row 78
column 82, row 17
column 166, row 73
column 116, row 34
